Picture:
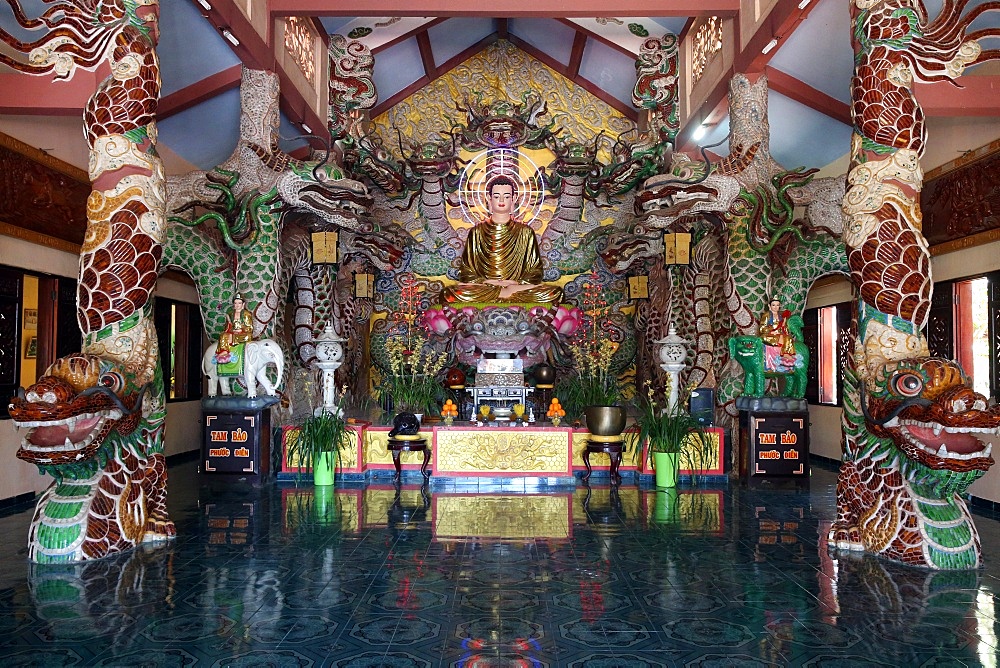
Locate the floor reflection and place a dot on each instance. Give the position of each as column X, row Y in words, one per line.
column 384, row 575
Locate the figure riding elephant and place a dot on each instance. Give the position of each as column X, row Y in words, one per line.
column 258, row 355
column 749, row 351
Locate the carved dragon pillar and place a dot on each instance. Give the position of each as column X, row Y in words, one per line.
column 911, row 421
column 95, row 419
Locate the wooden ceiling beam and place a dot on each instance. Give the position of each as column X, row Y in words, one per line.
column 576, row 55
column 27, row 94
column 598, row 37
column 426, row 55
column 258, row 54
column 452, row 63
column 626, row 110
column 779, row 23
column 423, row 27
column 974, row 96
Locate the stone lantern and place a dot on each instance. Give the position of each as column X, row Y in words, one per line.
column 329, row 357
column 673, row 353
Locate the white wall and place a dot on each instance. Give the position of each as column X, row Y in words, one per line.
column 183, row 428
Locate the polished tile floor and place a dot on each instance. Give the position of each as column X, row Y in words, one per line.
column 586, row 577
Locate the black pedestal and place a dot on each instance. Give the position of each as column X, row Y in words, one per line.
column 614, row 451
column 774, row 444
column 236, row 444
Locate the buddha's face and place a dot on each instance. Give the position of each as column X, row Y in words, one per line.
column 501, row 199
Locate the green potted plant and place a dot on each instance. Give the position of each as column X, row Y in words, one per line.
column 668, row 429
column 320, row 438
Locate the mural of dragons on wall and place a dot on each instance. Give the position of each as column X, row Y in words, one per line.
column 259, row 208
column 587, row 198
column 911, row 421
column 94, row 420
column 747, row 244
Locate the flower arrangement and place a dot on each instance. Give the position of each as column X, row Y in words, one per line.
column 594, row 382
column 411, row 380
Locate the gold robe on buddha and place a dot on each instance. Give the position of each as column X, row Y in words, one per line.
column 501, row 252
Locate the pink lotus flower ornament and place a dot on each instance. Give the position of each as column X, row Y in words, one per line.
column 567, row 320
column 436, row 321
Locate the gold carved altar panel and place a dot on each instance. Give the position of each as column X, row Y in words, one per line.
column 498, row 517
column 498, row 451
column 376, row 449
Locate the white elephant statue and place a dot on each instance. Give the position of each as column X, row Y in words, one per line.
column 259, row 354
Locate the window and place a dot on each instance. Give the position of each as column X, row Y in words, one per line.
column 826, row 333
column 37, row 325
column 964, row 325
column 178, row 331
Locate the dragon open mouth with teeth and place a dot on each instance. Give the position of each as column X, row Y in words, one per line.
column 95, row 419
column 71, row 410
column 927, row 408
column 909, row 461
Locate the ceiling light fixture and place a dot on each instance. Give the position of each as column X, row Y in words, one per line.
column 699, row 132
column 230, row 37
column 307, row 128
column 205, row 5
column 770, row 46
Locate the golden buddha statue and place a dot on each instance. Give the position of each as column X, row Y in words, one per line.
column 501, row 262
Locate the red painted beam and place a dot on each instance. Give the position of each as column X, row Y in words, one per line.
column 627, row 110
column 199, row 91
column 423, row 27
column 576, row 55
column 600, row 38
column 426, row 55
column 978, row 96
column 452, row 63
column 805, row 94
column 507, row 8
column 43, row 96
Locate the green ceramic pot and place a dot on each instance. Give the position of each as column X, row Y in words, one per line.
column 323, row 468
column 665, row 465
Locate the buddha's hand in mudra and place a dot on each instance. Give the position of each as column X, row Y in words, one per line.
column 507, row 287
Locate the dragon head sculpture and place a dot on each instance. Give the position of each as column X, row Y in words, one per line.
column 99, row 434
column 925, row 408
column 324, row 189
column 72, row 410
